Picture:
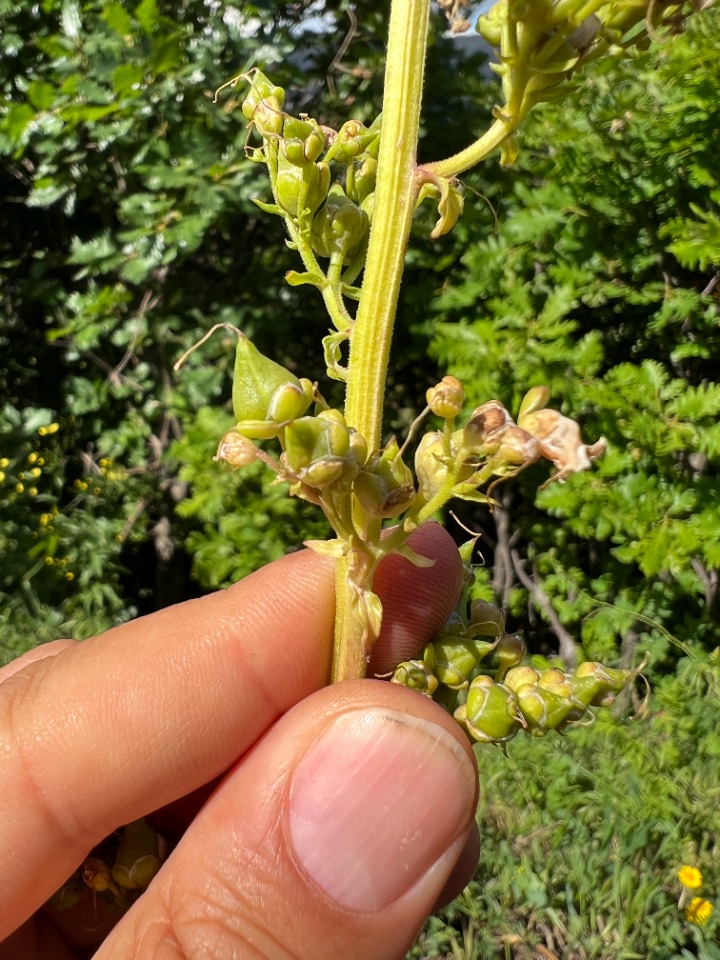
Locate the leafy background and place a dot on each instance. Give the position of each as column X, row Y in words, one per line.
column 127, row 230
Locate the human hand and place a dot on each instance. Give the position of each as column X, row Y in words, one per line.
column 344, row 815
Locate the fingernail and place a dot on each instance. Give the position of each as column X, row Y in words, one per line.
column 375, row 802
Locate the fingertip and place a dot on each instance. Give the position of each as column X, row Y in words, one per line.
column 417, row 600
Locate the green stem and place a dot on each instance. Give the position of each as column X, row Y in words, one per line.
column 472, row 155
column 396, row 192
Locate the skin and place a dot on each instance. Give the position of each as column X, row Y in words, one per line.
column 212, row 718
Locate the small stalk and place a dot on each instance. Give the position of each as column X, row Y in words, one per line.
column 396, row 193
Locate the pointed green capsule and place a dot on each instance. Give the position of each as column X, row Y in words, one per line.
column 542, row 709
column 456, row 659
column 263, row 391
column 490, row 712
column 261, row 90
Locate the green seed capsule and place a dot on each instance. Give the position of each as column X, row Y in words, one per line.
column 490, row 712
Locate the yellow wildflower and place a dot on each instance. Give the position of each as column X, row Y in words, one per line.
column 690, row 877
column 32, row 491
column 32, row 457
column 4, row 462
column 35, row 472
column 2, row 476
column 19, row 487
column 80, row 485
column 698, row 911
column 45, row 519
column 69, row 575
column 50, row 428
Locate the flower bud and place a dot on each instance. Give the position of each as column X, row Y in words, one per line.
column 490, row 712
column 138, row 856
column 416, row 675
column 340, row 226
column 519, row 676
column 486, row 619
column 303, row 141
column 236, row 450
column 301, row 188
column 431, row 467
column 509, row 652
column 446, row 398
column 317, row 449
column 385, row 487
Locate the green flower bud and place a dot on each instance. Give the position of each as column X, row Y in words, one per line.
column 138, row 856
column 352, row 140
column 520, row 676
column 340, row 226
column 257, row 380
column 535, row 399
column 486, row 619
column 385, row 487
column 556, row 682
column 431, row 467
column 364, row 184
column 301, row 189
column 508, row 653
column 317, row 449
column 416, row 675
column 446, row 398
column 490, row 712
column 303, row 141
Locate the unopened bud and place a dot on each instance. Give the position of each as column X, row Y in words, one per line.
column 446, row 398
column 486, row 619
column 236, row 450
column 509, row 652
column 456, row 659
column 490, row 713
column 519, row 676
column 415, row 675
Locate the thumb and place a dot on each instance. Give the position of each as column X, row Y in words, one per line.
column 333, row 837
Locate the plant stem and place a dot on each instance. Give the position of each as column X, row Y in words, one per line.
column 396, row 192
column 472, row 155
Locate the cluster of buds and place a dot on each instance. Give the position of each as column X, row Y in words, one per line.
column 323, row 184
column 474, row 670
column 331, row 216
column 119, row 871
column 542, row 42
